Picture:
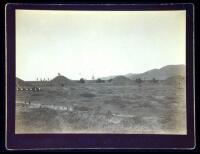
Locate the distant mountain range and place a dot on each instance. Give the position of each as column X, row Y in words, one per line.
column 159, row 74
column 170, row 72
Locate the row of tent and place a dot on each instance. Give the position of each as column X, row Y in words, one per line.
column 29, row 89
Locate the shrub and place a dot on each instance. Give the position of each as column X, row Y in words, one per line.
column 139, row 80
column 82, row 80
column 100, row 81
column 154, row 80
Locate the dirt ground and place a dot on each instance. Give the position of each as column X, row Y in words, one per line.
column 103, row 108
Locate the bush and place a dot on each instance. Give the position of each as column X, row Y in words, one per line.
column 154, row 80
column 138, row 80
column 82, row 80
column 100, row 81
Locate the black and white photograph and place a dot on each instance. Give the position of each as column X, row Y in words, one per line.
column 105, row 72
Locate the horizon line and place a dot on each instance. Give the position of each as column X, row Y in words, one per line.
column 99, row 77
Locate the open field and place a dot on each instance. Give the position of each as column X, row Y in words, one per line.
column 153, row 108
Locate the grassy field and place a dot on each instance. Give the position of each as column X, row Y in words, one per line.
column 103, row 108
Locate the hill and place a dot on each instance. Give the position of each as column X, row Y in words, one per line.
column 61, row 80
column 160, row 74
column 121, row 80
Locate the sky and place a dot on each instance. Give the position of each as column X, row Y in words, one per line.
column 80, row 44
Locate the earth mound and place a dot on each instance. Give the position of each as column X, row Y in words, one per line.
column 61, row 81
column 122, row 80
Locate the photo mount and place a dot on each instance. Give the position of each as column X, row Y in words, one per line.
column 97, row 141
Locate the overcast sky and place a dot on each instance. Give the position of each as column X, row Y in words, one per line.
column 82, row 43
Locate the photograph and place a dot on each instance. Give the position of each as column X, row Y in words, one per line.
column 102, row 72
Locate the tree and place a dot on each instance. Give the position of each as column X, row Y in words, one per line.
column 99, row 81
column 82, row 80
column 138, row 80
column 154, row 80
